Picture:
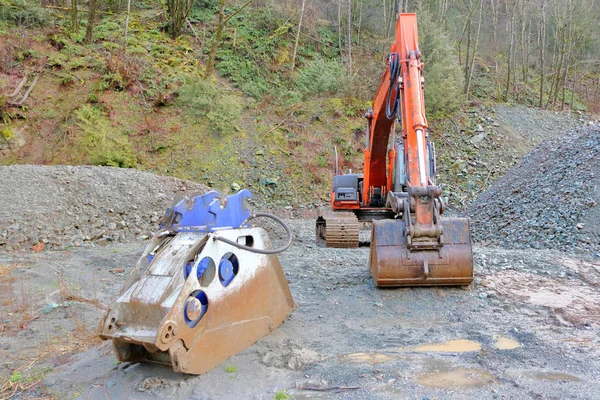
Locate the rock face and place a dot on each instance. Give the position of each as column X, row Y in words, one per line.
column 549, row 200
column 65, row 206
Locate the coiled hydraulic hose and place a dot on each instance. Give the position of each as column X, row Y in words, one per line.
column 394, row 66
column 261, row 251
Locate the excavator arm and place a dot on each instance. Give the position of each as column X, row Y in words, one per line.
column 417, row 248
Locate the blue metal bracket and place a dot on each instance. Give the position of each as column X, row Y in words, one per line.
column 206, row 213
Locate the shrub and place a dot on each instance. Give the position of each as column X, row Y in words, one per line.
column 322, row 77
column 104, row 144
column 122, row 70
column 205, row 100
column 7, row 133
column 23, row 12
column 443, row 76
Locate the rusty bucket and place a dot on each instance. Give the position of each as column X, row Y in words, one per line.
column 192, row 301
column 392, row 263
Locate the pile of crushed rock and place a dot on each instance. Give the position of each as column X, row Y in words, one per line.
column 548, row 200
column 57, row 207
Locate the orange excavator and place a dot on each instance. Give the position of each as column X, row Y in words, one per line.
column 411, row 245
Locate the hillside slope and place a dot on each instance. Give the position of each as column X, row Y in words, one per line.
column 254, row 125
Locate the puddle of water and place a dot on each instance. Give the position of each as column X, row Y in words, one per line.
column 460, row 377
column 503, row 343
column 451, row 346
column 367, row 358
column 551, row 376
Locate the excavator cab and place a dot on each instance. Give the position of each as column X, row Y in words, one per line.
column 411, row 244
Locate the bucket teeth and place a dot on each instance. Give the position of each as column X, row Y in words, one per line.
column 195, row 302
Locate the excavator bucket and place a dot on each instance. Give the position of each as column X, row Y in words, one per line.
column 392, row 263
column 194, row 298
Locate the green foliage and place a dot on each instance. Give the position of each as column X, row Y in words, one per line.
column 259, row 61
column 16, row 377
column 443, row 76
column 66, row 80
column 7, row 133
column 25, row 12
column 205, row 100
column 322, row 78
column 282, row 395
column 104, row 144
column 93, row 97
column 230, row 368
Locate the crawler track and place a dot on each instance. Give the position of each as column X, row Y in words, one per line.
column 340, row 230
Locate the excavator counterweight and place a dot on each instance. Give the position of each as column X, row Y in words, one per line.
column 411, row 245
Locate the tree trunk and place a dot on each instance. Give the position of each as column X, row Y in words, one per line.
column 210, row 66
column 510, row 53
column 443, row 10
column 126, row 24
column 178, row 11
column 468, row 55
column 360, row 10
column 573, row 87
column 298, row 35
column 522, row 41
column 384, row 17
column 91, row 20
column 542, row 45
column 74, row 16
column 470, row 67
column 340, row 27
column 495, row 7
column 349, row 38
column 559, row 68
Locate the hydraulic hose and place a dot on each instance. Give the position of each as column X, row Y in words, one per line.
column 391, row 110
column 261, row 251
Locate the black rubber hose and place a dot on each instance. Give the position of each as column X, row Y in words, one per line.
column 391, row 111
column 260, row 251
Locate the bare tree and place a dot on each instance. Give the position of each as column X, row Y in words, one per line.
column 525, row 39
column 349, row 38
column 127, row 24
column 469, row 74
column 340, row 27
column 511, row 42
column 216, row 40
column 298, row 34
column 360, row 13
column 495, row 6
column 542, row 46
column 470, row 50
column 210, row 65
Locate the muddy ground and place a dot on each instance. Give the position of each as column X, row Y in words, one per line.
column 527, row 328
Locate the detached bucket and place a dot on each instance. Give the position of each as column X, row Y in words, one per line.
column 393, row 264
column 199, row 302
column 205, row 288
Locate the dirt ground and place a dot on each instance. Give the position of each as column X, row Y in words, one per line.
column 527, row 328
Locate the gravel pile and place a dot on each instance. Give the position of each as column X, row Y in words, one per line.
column 549, row 200
column 62, row 206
